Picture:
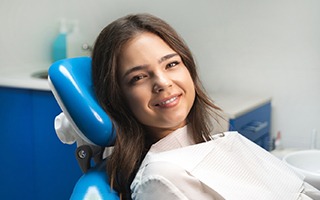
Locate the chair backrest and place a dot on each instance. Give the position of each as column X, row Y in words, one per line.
column 71, row 83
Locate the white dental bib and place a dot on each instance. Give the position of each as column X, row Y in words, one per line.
column 235, row 168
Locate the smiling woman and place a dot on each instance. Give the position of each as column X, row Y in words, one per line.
column 146, row 80
column 160, row 92
column 167, row 144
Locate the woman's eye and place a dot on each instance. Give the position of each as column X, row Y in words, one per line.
column 172, row 64
column 137, row 78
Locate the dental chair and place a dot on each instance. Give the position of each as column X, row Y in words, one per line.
column 85, row 123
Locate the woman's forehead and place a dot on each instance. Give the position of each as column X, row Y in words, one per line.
column 144, row 48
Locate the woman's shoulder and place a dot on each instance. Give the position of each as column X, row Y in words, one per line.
column 158, row 177
column 160, row 170
column 165, row 180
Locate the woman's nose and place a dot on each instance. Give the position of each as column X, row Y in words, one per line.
column 161, row 82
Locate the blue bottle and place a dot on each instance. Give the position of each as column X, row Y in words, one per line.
column 59, row 46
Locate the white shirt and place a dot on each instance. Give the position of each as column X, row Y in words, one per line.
column 176, row 169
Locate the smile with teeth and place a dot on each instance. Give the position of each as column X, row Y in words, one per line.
column 168, row 101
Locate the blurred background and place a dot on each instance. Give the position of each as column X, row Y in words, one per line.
column 267, row 48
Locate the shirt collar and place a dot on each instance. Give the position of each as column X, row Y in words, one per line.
column 179, row 138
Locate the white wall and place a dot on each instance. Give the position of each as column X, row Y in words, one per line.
column 264, row 47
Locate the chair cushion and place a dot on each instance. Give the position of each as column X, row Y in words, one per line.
column 73, row 88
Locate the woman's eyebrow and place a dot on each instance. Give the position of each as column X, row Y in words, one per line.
column 166, row 57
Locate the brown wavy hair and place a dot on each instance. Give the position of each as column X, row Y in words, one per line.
column 131, row 144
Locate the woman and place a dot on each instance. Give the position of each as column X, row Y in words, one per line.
column 146, row 80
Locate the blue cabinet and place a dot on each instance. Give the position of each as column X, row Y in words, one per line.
column 255, row 125
column 34, row 163
column 250, row 115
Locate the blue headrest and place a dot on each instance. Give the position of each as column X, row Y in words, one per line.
column 73, row 89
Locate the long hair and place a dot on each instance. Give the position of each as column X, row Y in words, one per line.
column 131, row 144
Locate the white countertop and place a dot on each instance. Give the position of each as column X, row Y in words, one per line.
column 22, row 78
column 236, row 104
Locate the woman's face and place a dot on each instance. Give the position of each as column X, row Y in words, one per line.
column 156, row 83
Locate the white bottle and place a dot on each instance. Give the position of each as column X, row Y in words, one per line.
column 76, row 42
column 314, row 139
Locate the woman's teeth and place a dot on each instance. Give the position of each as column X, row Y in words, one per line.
column 168, row 101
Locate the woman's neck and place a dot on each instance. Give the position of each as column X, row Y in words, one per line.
column 154, row 134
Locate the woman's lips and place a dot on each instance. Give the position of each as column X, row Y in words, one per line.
column 169, row 102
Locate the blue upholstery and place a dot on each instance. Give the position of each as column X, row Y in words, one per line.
column 71, row 84
column 93, row 185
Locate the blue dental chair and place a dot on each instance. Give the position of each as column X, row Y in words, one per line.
column 83, row 121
